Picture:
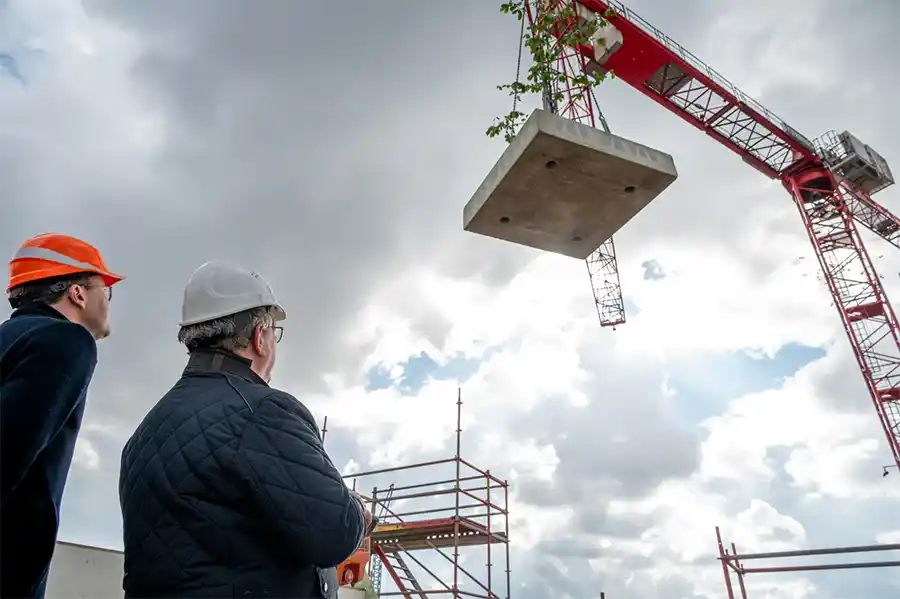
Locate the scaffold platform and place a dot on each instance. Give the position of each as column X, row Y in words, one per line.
column 446, row 514
column 433, row 534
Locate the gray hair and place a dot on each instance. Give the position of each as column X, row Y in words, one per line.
column 230, row 333
column 47, row 291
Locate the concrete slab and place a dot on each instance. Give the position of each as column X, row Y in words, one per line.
column 565, row 187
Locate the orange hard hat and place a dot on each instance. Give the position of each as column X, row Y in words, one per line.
column 55, row 255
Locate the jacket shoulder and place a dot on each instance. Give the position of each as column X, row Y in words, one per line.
column 279, row 420
column 284, row 401
column 51, row 339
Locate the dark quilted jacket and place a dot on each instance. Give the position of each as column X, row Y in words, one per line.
column 226, row 491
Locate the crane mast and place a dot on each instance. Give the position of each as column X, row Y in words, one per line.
column 831, row 179
column 579, row 104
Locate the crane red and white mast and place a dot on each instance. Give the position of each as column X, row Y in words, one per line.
column 579, row 104
column 831, row 179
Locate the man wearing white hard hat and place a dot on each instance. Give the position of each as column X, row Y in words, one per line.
column 225, row 488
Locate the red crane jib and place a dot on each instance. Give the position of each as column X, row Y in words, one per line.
column 664, row 71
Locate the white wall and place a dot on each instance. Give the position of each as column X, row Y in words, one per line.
column 83, row 572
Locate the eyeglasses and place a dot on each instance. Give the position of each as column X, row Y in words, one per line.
column 279, row 331
column 107, row 287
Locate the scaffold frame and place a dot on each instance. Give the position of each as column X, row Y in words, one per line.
column 731, row 562
column 469, row 518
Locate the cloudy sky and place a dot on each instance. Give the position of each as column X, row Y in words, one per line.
column 333, row 148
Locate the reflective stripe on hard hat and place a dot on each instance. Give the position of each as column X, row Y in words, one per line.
column 218, row 289
column 51, row 256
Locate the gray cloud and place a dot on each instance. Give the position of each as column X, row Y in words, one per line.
column 612, row 446
column 333, row 151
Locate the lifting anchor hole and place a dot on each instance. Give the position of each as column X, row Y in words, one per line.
column 504, row 219
column 630, row 189
column 550, row 164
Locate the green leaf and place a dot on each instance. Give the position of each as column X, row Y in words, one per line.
column 547, row 39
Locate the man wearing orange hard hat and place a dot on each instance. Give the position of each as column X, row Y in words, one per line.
column 60, row 289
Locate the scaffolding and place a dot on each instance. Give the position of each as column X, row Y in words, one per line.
column 428, row 531
column 732, row 562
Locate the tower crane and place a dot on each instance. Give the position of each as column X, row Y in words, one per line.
column 831, row 179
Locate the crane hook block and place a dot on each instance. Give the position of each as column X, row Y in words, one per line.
column 565, row 187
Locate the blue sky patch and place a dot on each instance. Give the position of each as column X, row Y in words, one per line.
column 418, row 369
column 653, row 271
column 704, row 386
column 10, row 68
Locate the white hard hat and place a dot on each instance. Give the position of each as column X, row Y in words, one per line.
column 218, row 289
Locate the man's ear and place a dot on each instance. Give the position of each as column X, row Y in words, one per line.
column 76, row 295
column 257, row 340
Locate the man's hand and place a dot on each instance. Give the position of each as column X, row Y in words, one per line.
column 370, row 520
column 367, row 513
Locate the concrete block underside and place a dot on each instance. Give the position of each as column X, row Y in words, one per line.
column 565, row 187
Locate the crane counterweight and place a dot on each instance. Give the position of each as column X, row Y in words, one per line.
column 852, row 161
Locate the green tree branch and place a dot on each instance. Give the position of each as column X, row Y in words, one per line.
column 547, row 37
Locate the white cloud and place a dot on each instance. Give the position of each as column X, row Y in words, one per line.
column 832, row 456
column 889, row 537
column 616, row 482
column 86, row 455
column 550, row 344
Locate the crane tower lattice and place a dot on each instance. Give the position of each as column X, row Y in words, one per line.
column 579, row 104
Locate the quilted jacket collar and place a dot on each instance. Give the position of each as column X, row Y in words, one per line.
column 205, row 361
column 38, row 309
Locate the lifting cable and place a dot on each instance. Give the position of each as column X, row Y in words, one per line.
column 599, row 112
column 519, row 58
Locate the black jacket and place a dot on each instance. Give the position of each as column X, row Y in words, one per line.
column 46, row 365
column 226, row 491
